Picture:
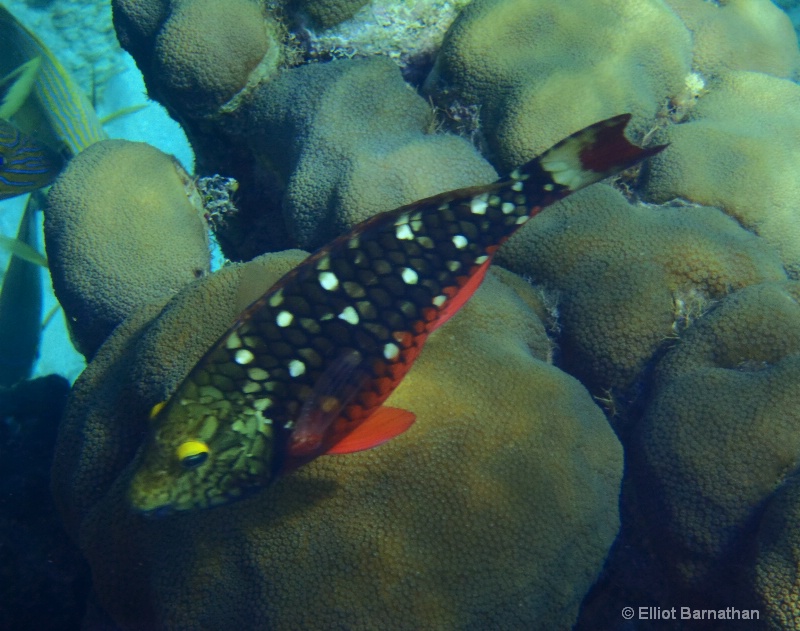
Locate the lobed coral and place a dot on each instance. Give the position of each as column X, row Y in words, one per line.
column 539, row 70
column 630, row 278
column 740, row 35
column 679, row 318
column 201, row 53
column 720, row 434
column 123, row 226
column 350, row 140
column 369, row 539
column 737, row 150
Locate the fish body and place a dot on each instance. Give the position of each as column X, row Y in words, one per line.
column 26, row 164
column 56, row 112
column 305, row 369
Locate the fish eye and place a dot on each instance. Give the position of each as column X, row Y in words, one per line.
column 192, row 453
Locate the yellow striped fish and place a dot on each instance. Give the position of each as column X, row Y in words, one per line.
column 57, row 111
column 25, row 163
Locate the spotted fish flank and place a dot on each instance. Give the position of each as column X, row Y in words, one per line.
column 25, row 163
column 306, row 368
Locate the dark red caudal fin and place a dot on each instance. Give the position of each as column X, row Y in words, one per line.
column 383, row 424
column 587, row 156
column 611, row 152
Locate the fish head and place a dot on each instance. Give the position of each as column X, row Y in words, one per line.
column 201, row 453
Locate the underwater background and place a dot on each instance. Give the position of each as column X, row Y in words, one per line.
column 607, row 433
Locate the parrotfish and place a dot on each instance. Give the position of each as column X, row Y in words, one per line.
column 306, row 368
column 25, row 163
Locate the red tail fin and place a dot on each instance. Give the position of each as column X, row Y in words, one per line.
column 587, row 156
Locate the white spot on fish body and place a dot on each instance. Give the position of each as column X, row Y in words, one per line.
column 507, row 208
column 479, row 204
column 391, row 351
column 284, row 319
column 440, row 300
column 517, row 186
column 328, row 281
column 453, row 266
column 296, row 368
column 481, row 260
column 404, row 232
column 460, row 241
column 233, row 342
column 409, row 276
column 349, row 315
column 243, row 356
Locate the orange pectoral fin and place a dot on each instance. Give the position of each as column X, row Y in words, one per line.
column 382, row 425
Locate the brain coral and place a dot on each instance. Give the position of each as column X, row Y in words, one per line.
column 123, row 226
column 738, row 151
column 349, row 139
column 540, row 69
column 495, row 510
column 740, row 35
column 630, row 277
column 721, row 432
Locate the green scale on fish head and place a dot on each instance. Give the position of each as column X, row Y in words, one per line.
column 306, row 368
